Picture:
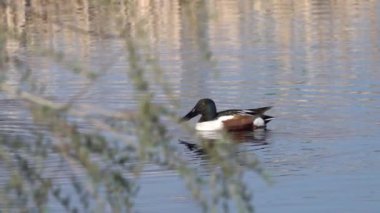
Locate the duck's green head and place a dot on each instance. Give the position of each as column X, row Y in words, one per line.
column 205, row 107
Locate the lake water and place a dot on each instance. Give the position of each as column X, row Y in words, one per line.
column 317, row 62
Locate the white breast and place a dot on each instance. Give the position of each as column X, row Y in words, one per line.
column 213, row 125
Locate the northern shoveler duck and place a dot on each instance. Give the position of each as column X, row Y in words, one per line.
column 230, row 120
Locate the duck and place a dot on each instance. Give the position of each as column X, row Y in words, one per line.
column 230, row 120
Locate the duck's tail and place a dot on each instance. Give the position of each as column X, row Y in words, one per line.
column 267, row 118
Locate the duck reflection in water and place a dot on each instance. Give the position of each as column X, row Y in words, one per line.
column 206, row 140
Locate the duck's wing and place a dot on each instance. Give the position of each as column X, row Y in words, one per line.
column 256, row 111
column 230, row 112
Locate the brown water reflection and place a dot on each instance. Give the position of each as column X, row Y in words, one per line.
column 316, row 61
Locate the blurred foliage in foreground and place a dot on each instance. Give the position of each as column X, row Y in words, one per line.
column 105, row 160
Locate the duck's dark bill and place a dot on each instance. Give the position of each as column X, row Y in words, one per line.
column 189, row 115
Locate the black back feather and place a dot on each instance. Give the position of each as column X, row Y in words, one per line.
column 256, row 111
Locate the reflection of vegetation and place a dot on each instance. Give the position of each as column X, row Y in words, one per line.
column 104, row 160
